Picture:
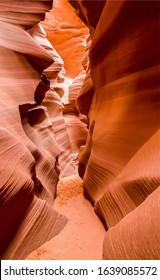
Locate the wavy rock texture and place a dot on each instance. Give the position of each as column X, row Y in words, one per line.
column 137, row 236
column 120, row 162
column 69, row 37
column 34, row 146
column 52, row 102
column 85, row 96
column 76, row 123
column 76, row 117
column 139, row 178
column 68, row 34
column 89, row 11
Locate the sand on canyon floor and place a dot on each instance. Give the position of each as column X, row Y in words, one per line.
column 82, row 237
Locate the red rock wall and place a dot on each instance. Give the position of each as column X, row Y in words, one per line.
column 120, row 163
column 34, row 145
column 76, row 123
column 67, row 33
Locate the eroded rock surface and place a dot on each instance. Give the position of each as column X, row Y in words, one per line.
column 120, row 163
column 119, row 96
column 68, row 34
column 35, row 148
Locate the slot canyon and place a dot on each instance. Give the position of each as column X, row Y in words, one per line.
column 79, row 129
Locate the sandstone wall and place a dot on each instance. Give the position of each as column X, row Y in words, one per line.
column 34, row 145
column 120, row 163
column 67, row 33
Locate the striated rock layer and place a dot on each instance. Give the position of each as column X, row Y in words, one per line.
column 120, row 163
column 76, row 123
column 34, row 145
column 68, row 34
column 137, row 236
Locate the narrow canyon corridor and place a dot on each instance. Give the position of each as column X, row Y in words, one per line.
column 82, row 237
column 79, row 130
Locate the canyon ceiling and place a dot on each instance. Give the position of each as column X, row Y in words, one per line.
column 82, row 84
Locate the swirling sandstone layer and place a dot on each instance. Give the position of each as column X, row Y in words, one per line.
column 120, row 163
column 76, row 123
column 67, row 33
column 34, row 145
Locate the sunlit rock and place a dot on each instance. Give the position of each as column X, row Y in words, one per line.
column 68, row 34
column 33, row 152
column 120, row 162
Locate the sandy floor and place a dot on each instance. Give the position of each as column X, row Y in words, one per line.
column 82, row 237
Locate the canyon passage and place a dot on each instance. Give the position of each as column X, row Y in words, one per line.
column 79, row 130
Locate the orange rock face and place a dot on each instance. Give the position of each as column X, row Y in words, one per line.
column 67, row 34
column 35, row 148
column 120, row 98
column 120, row 162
